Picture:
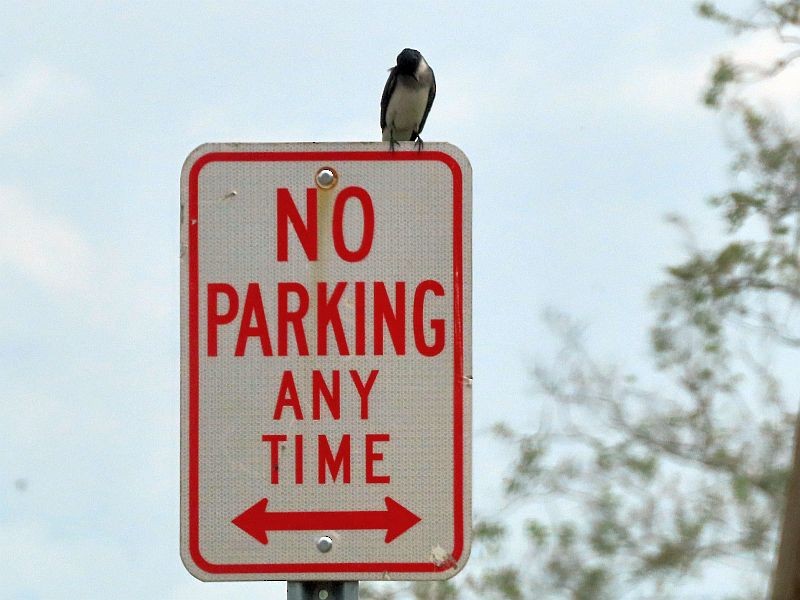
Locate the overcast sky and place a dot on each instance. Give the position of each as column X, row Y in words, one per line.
column 583, row 127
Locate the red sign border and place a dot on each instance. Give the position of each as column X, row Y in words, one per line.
column 194, row 360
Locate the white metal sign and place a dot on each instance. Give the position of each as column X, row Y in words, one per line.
column 325, row 361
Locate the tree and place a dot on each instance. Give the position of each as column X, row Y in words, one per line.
column 786, row 581
column 673, row 478
column 648, row 487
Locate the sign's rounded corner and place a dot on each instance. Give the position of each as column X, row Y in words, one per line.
column 456, row 153
column 461, row 561
column 196, row 564
column 194, row 156
column 449, row 565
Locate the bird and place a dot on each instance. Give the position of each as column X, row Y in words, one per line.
column 407, row 99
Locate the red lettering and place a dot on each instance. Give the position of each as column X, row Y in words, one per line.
column 328, row 314
column 340, row 318
column 298, row 459
column 215, row 319
column 294, row 318
column 253, row 308
column 363, row 389
column 287, row 396
column 437, row 325
column 320, row 389
column 395, row 319
column 334, row 463
column 306, row 230
column 372, row 456
column 360, row 318
column 273, row 440
column 367, row 231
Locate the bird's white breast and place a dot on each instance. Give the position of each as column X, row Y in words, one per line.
column 405, row 109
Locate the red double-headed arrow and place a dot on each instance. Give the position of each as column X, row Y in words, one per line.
column 256, row 521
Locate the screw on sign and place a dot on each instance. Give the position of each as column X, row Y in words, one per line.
column 325, row 346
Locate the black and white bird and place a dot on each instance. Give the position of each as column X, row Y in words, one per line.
column 407, row 98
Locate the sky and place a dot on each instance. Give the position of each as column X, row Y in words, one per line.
column 583, row 126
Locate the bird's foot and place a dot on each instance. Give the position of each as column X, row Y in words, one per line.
column 392, row 144
column 419, row 144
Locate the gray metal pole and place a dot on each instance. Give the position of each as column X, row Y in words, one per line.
column 322, row 590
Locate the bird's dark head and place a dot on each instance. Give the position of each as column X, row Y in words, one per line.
column 408, row 61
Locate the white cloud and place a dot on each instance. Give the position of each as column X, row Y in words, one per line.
column 779, row 91
column 44, row 248
column 104, row 281
column 39, row 565
column 672, row 88
column 35, row 89
column 665, row 88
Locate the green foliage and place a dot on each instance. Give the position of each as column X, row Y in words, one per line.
column 538, row 533
column 503, row 583
column 488, row 531
column 489, row 534
column 527, row 467
column 607, row 534
column 724, row 73
column 592, row 585
column 780, row 18
column 441, row 590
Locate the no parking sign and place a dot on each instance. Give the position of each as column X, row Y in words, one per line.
column 325, row 361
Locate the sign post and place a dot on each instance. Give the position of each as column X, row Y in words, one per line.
column 330, row 590
column 325, row 363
